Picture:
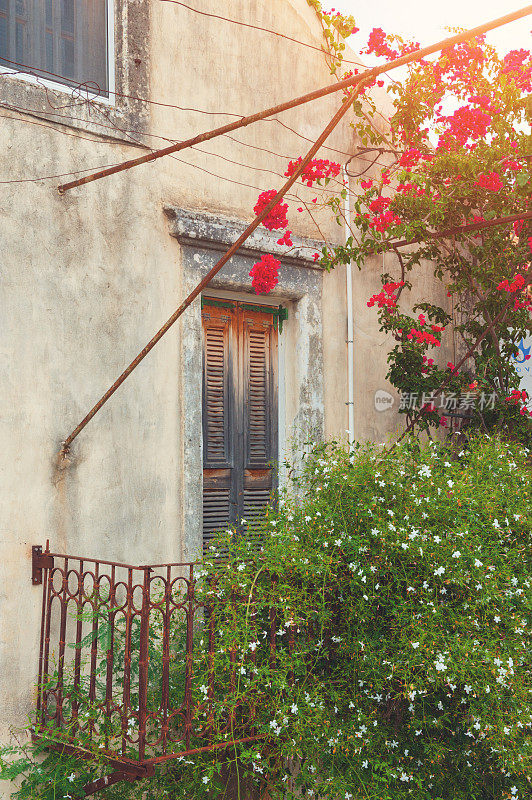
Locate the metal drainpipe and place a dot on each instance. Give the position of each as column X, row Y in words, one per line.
column 350, row 340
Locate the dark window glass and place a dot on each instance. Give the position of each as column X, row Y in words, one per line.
column 61, row 40
column 3, row 36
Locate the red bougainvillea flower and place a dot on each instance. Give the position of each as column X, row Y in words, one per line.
column 264, row 274
column 515, row 286
column 530, row 243
column 517, row 66
column 410, row 157
column 516, row 398
column 422, row 337
column 277, row 217
column 386, row 298
column 466, row 123
column 512, row 165
column 383, row 221
column 315, row 170
column 379, row 204
column 518, row 226
column 286, row 239
column 378, row 45
column 490, row 181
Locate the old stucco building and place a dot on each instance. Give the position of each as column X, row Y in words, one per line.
column 88, row 277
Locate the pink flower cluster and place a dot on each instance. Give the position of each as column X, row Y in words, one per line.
column 466, row 123
column 515, row 286
column 410, row 158
column 315, row 170
column 379, row 204
column 386, row 298
column 410, row 188
column 264, row 274
column 423, row 337
column 490, row 181
column 517, row 397
column 517, row 65
column 286, row 239
column 458, row 63
column 277, row 217
column 385, row 220
column 378, row 45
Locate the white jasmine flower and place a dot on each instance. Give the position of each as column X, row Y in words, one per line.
column 415, row 645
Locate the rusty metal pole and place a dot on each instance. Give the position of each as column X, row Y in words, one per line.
column 356, row 83
column 305, row 98
column 218, row 266
column 458, row 229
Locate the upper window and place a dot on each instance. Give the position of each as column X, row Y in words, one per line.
column 65, row 41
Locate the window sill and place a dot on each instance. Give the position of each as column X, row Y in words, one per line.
column 59, row 104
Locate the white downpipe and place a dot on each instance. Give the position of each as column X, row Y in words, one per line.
column 350, row 334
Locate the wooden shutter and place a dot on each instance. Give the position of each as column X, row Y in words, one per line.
column 260, row 413
column 218, row 484
column 239, row 415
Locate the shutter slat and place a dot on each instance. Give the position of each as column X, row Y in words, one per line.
column 258, row 399
column 215, row 389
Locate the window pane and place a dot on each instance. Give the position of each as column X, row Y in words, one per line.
column 3, row 37
column 67, row 38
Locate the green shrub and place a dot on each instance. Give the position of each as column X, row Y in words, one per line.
column 406, row 579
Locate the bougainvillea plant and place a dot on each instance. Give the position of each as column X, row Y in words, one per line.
column 459, row 152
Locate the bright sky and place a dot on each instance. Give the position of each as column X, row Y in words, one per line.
column 425, row 22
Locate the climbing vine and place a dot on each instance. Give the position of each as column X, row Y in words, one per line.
column 458, row 153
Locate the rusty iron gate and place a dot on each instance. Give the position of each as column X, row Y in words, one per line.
column 122, row 649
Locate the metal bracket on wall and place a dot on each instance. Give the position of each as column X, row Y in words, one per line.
column 39, row 561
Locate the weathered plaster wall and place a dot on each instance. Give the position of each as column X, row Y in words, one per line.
column 87, row 278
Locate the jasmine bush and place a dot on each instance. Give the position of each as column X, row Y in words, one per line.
column 406, row 582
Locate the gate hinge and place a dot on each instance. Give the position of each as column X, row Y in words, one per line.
column 39, row 561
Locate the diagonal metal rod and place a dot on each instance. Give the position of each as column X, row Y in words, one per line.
column 219, row 264
column 356, row 85
column 456, row 230
column 347, row 83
